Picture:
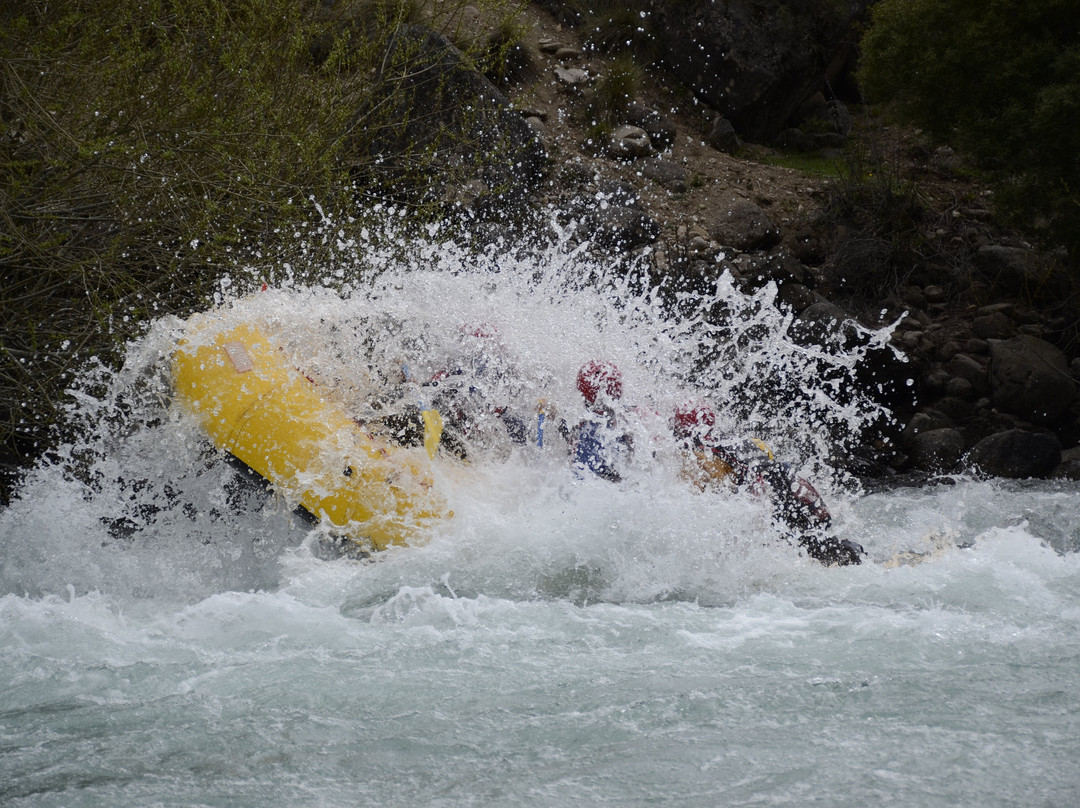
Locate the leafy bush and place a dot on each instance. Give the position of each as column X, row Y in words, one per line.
column 998, row 80
column 147, row 147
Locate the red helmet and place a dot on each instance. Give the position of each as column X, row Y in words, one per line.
column 693, row 416
column 599, row 377
column 479, row 330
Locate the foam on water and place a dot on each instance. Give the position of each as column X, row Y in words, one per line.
column 169, row 637
column 144, row 484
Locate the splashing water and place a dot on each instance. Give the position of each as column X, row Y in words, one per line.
column 144, row 470
column 171, row 637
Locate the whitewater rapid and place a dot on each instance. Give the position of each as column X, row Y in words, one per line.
column 171, row 637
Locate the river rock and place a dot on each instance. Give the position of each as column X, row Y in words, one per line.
column 1069, row 468
column 798, row 297
column 969, row 370
column 660, row 130
column 923, row 422
column 821, row 323
column 1030, row 378
column 1016, row 453
column 621, row 228
column 936, row 450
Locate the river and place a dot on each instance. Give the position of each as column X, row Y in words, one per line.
column 172, row 638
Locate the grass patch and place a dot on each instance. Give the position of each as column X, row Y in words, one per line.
column 816, row 164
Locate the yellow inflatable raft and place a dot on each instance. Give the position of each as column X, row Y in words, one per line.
column 253, row 404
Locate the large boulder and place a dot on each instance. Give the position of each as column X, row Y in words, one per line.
column 1030, row 378
column 936, row 450
column 743, row 225
column 428, row 98
column 756, row 61
column 1016, row 453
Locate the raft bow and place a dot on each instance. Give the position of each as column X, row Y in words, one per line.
column 269, row 416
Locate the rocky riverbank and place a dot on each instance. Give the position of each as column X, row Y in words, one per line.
column 854, row 221
column 724, row 138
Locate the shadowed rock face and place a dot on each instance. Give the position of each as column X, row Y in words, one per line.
column 1016, row 453
column 1030, row 378
column 434, row 99
column 756, row 61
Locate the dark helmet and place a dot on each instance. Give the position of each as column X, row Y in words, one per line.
column 595, row 378
column 693, row 416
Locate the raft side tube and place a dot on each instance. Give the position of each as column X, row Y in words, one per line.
column 269, row 416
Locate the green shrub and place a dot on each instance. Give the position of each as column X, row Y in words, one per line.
column 1000, row 81
column 618, row 26
column 148, row 147
column 615, row 91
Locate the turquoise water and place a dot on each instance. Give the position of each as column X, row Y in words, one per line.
column 172, row 639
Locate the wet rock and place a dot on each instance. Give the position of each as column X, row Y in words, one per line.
column 660, row 130
column 621, row 228
column 822, row 323
column 779, row 268
column 923, row 422
column 936, row 450
column 618, row 193
column 956, row 408
column 968, row 369
column 1030, row 378
column 798, row 297
column 1069, row 468
column 1016, row 453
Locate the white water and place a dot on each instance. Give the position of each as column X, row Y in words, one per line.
column 169, row 638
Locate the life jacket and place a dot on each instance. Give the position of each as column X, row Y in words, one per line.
column 598, row 447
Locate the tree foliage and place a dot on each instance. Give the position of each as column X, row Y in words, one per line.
column 1000, row 81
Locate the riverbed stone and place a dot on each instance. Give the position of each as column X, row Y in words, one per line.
column 1015, row 453
column 936, row 450
column 1030, row 378
column 629, row 142
column 971, row 370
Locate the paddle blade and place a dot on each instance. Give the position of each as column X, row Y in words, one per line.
column 433, row 426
